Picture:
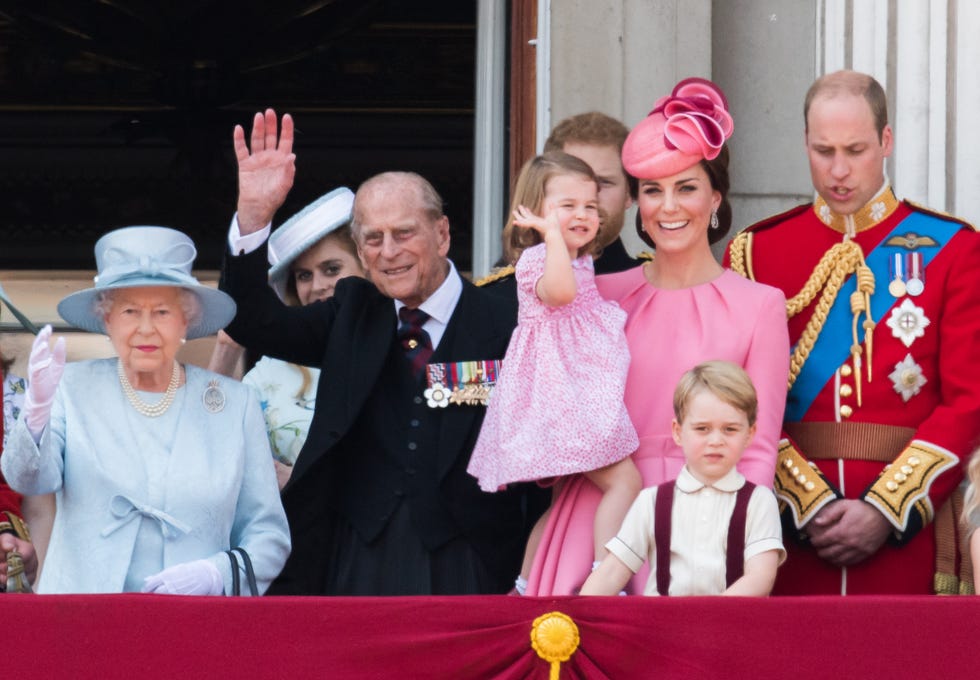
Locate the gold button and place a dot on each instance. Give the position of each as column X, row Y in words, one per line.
column 846, row 411
column 845, row 370
column 891, row 486
column 412, row 344
column 846, row 390
column 914, row 460
column 900, row 478
column 907, row 469
column 809, row 486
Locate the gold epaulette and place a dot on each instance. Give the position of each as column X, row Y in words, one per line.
column 800, row 485
column 646, row 256
column 903, row 487
column 740, row 255
column 918, row 207
column 12, row 524
column 496, row 274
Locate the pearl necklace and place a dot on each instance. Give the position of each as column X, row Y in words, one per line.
column 150, row 410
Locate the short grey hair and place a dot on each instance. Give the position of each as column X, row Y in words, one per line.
column 190, row 304
column 429, row 200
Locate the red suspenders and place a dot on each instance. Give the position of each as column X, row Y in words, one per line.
column 736, row 534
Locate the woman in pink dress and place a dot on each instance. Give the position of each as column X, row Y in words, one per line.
column 682, row 308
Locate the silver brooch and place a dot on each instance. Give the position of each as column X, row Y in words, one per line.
column 214, row 398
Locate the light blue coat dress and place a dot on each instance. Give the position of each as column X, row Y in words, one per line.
column 138, row 494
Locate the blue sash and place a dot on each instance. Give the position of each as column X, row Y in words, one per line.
column 833, row 346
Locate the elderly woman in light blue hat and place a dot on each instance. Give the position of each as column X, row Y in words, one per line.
column 158, row 467
column 308, row 254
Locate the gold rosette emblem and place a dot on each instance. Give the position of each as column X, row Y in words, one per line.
column 554, row 636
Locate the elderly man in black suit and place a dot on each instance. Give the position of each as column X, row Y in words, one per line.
column 379, row 502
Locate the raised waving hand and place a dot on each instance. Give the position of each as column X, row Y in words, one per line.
column 266, row 168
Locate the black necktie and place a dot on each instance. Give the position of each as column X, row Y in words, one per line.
column 414, row 340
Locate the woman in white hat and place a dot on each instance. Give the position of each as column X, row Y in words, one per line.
column 158, row 467
column 308, row 254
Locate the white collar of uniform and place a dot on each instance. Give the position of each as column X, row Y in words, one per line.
column 441, row 304
column 731, row 482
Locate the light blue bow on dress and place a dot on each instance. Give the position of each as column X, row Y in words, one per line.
column 126, row 510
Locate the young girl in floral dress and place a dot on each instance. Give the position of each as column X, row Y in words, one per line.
column 557, row 408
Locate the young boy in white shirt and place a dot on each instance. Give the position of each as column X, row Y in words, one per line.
column 712, row 531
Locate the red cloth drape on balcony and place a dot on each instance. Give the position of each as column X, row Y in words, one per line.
column 136, row 636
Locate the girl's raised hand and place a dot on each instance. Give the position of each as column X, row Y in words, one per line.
column 527, row 219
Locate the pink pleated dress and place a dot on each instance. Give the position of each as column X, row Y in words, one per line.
column 557, row 408
column 669, row 332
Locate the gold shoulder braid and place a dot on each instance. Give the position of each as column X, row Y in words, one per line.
column 495, row 274
column 740, row 255
column 842, row 260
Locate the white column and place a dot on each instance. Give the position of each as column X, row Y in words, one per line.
column 488, row 148
column 911, row 110
column 939, row 104
column 542, row 75
column 966, row 164
column 869, row 41
column 831, row 50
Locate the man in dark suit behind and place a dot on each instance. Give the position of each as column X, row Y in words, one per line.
column 379, row 502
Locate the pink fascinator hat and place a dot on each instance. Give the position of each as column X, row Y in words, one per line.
column 689, row 125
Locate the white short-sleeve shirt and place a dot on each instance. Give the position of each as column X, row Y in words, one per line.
column 698, row 533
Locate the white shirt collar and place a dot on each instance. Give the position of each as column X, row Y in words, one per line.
column 440, row 304
column 731, row 482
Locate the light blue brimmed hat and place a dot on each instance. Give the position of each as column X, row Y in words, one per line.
column 135, row 257
column 301, row 231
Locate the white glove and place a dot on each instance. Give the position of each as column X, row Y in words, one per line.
column 44, row 369
column 199, row 577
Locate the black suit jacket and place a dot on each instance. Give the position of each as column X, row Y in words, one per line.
column 349, row 337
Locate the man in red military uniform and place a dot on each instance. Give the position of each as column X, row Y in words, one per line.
column 884, row 397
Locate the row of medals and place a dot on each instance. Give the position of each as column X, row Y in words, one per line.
column 899, row 286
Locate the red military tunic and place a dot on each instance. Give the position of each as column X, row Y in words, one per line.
column 901, row 439
column 10, row 520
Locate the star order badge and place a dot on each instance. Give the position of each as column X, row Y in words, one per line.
column 908, row 322
column 213, row 398
column 907, row 377
column 437, row 396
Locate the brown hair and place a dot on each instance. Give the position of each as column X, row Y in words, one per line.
column 854, row 84
column 727, row 381
column 342, row 237
column 717, row 171
column 530, row 190
column 595, row 129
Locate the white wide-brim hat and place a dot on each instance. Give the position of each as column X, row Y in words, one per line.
column 137, row 257
column 301, row 231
